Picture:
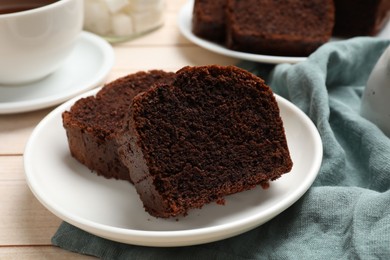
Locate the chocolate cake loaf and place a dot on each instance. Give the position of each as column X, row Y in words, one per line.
column 93, row 123
column 287, row 28
column 208, row 19
column 211, row 132
column 360, row 17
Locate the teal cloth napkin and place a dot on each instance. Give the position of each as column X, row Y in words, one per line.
column 346, row 213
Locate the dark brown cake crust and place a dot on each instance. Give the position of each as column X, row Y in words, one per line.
column 93, row 123
column 288, row 28
column 214, row 131
column 360, row 17
column 208, row 19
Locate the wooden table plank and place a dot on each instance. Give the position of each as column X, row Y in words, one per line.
column 23, row 220
column 15, row 129
column 39, row 253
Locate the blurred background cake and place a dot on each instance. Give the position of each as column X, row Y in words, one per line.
column 360, row 17
column 288, row 28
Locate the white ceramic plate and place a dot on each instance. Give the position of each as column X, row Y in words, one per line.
column 86, row 68
column 185, row 26
column 113, row 210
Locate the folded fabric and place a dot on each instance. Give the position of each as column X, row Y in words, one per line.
column 346, row 213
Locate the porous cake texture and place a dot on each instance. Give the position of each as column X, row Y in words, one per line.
column 213, row 131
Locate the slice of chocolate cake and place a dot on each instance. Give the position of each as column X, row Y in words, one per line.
column 360, row 17
column 93, row 123
column 208, row 19
column 212, row 132
column 285, row 28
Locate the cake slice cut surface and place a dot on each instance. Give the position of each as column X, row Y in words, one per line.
column 208, row 20
column 212, row 132
column 284, row 28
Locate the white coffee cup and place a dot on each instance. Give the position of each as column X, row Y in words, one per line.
column 35, row 42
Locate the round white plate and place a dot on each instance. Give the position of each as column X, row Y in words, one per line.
column 113, row 210
column 185, row 26
column 85, row 68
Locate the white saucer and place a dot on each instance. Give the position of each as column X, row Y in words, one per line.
column 87, row 67
column 112, row 209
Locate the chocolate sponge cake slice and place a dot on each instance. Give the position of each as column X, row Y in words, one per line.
column 93, row 123
column 362, row 17
column 208, row 19
column 289, row 28
column 212, row 132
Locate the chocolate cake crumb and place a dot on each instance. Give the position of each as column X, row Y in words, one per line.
column 211, row 132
